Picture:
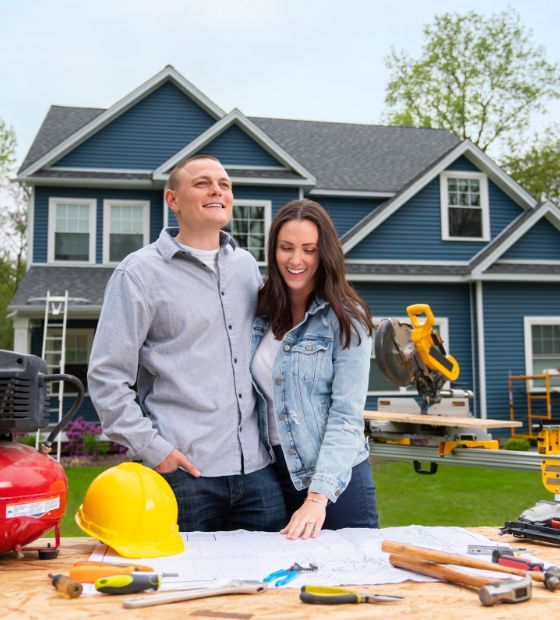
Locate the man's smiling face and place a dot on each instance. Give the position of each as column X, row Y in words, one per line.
column 203, row 198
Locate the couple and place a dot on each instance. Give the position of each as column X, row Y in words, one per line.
column 256, row 424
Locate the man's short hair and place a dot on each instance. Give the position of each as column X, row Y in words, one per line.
column 173, row 181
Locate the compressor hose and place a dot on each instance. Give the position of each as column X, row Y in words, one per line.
column 43, row 379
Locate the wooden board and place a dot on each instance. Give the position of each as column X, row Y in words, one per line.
column 438, row 420
column 27, row 594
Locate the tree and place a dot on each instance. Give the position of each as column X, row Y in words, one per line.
column 537, row 168
column 482, row 78
column 13, row 226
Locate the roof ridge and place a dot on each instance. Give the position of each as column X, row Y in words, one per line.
column 306, row 120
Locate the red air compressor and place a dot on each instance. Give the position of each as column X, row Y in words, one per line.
column 33, row 486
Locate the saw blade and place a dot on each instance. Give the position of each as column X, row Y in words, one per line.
column 392, row 339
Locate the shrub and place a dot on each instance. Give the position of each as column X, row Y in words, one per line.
column 520, row 444
column 28, row 440
column 83, row 439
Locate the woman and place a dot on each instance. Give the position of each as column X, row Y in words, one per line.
column 311, row 350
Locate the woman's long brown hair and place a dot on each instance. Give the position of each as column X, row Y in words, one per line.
column 330, row 281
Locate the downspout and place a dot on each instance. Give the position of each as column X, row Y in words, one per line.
column 481, row 350
column 473, row 347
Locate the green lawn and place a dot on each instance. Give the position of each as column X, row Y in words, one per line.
column 462, row 496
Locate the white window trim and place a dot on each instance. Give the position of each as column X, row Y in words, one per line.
column 107, row 204
column 528, row 322
column 53, row 203
column 89, row 332
column 443, row 324
column 484, row 204
column 267, row 204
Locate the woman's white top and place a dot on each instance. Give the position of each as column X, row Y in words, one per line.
column 261, row 369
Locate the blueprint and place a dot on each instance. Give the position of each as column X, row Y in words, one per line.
column 343, row 557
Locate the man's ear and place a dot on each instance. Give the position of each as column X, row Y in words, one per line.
column 171, row 199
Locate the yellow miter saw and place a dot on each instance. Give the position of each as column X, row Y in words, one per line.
column 412, row 355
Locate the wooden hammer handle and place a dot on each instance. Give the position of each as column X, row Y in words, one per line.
column 391, row 546
column 438, row 571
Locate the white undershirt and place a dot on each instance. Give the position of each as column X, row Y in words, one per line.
column 261, row 369
column 208, row 257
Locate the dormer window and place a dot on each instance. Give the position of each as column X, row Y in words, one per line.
column 464, row 206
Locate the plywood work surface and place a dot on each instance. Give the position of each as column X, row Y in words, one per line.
column 27, row 594
column 438, row 420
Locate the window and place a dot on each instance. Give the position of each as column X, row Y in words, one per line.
column 542, row 349
column 249, row 226
column 78, row 349
column 379, row 385
column 126, row 228
column 71, row 230
column 464, row 206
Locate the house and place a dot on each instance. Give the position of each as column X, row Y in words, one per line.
column 423, row 218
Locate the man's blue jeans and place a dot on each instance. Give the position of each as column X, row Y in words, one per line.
column 246, row 501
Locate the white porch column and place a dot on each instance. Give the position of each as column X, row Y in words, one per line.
column 22, row 335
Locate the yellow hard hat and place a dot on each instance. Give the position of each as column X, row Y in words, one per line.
column 132, row 509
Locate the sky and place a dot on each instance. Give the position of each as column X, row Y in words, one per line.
column 305, row 59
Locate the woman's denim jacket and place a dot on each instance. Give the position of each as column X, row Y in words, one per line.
column 319, row 393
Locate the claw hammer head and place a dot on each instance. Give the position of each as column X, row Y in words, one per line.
column 552, row 578
column 506, row 591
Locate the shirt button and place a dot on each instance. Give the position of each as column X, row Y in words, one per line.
column 240, row 395
column 291, row 451
column 235, row 360
column 278, row 381
column 282, row 416
column 286, row 347
column 223, row 292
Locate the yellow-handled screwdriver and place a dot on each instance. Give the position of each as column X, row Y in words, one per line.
column 325, row 595
column 128, row 584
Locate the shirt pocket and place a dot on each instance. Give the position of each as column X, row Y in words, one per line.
column 309, row 357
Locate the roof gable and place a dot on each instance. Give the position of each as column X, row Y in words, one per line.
column 466, row 148
column 232, row 128
column 168, row 74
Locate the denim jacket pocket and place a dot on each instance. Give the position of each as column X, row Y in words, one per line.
column 309, row 357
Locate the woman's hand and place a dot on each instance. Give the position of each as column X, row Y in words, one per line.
column 308, row 520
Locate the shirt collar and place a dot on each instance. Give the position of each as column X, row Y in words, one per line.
column 168, row 246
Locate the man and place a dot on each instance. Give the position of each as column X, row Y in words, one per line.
column 176, row 320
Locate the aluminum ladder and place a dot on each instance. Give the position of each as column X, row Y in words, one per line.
column 54, row 352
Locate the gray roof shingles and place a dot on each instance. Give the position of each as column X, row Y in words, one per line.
column 81, row 282
column 341, row 156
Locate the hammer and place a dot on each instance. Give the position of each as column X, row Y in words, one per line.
column 392, row 546
column 490, row 592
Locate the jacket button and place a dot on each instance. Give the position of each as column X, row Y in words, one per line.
column 308, row 347
column 282, row 416
column 337, row 493
column 278, row 381
column 286, row 347
column 291, row 451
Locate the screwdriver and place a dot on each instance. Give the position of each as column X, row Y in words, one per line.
column 88, row 573
column 128, row 584
column 66, row 586
column 515, row 561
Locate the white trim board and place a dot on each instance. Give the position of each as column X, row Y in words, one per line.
column 168, row 73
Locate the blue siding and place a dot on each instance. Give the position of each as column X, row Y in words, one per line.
column 347, row 212
column 86, row 410
column 541, row 242
column 42, row 195
column 414, row 231
column 505, row 306
column 234, row 147
column 144, row 136
column 451, row 301
column 463, row 164
column 278, row 195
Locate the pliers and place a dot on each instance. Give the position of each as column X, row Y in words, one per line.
column 324, row 595
column 288, row 574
